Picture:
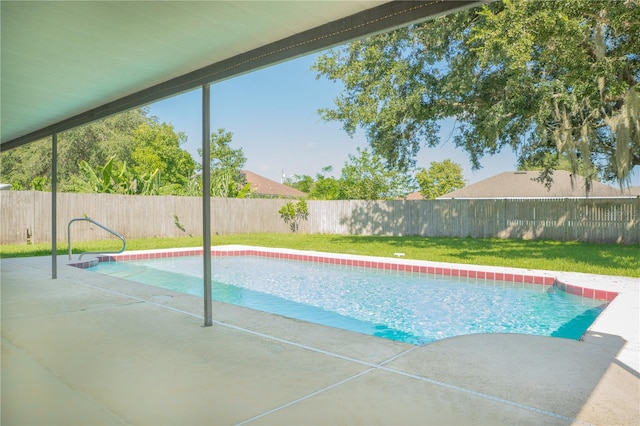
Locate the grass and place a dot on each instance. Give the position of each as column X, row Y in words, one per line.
column 605, row 259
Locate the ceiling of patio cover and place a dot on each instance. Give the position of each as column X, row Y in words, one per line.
column 67, row 63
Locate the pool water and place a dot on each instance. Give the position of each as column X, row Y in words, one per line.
column 413, row 308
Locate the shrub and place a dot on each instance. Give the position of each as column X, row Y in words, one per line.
column 294, row 213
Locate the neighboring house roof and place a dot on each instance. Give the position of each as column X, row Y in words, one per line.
column 525, row 185
column 260, row 185
column 414, row 196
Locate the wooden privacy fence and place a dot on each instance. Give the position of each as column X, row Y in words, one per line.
column 612, row 220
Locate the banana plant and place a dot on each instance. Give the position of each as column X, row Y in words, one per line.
column 108, row 179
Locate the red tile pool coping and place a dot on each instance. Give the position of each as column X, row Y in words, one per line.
column 378, row 263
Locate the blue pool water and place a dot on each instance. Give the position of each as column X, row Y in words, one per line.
column 412, row 308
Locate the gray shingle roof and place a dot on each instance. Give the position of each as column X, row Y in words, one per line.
column 523, row 185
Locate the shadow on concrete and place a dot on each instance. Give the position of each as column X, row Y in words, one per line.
column 568, row 379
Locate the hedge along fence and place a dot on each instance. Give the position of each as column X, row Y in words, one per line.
column 611, row 220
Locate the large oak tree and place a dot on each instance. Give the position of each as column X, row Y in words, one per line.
column 551, row 79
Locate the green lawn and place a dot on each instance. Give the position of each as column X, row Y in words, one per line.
column 607, row 259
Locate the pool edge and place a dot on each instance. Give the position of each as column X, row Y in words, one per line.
column 479, row 272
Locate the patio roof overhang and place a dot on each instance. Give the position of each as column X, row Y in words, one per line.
column 67, row 63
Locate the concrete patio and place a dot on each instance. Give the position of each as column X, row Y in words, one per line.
column 89, row 349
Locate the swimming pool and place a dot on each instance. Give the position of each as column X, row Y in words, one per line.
column 395, row 302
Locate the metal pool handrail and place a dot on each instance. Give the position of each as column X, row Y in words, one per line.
column 88, row 219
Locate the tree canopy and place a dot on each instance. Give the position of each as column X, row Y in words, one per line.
column 323, row 187
column 226, row 164
column 548, row 78
column 441, row 178
column 128, row 153
column 157, row 149
column 29, row 166
column 364, row 177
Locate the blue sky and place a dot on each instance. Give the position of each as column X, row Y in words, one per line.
column 273, row 115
